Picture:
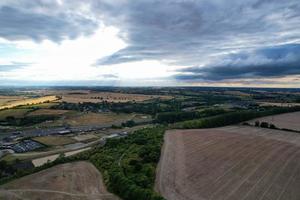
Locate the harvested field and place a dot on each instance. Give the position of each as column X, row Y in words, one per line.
column 47, row 112
column 278, row 104
column 287, row 120
column 85, row 137
column 285, row 136
column 213, row 164
column 71, row 181
column 74, row 118
column 41, row 161
column 237, row 93
column 54, row 140
column 97, row 119
column 95, row 97
column 31, row 101
column 6, row 99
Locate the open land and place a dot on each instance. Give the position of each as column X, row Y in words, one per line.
column 96, row 119
column 287, row 120
column 14, row 112
column 6, row 99
column 278, row 104
column 52, row 140
column 71, row 181
column 95, row 97
column 80, row 96
column 76, row 119
column 41, row 161
column 234, row 162
column 30, row 101
column 224, row 164
column 48, row 112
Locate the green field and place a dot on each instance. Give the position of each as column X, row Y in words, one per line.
column 15, row 112
column 54, row 140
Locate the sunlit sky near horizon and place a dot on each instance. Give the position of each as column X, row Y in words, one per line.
column 150, row 42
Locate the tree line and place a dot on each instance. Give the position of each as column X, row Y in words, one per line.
column 231, row 118
column 177, row 116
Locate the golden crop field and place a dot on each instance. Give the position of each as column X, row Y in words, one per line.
column 95, row 97
column 30, row 101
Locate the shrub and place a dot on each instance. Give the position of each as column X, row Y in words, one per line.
column 272, row 126
column 264, row 125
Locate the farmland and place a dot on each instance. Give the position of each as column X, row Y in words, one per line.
column 279, row 104
column 29, row 101
column 43, row 160
column 16, row 113
column 54, row 140
column 224, row 164
column 97, row 119
column 79, row 180
column 97, row 124
column 285, row 121
column 95, row 97
column 47, row 112
column 4, row 99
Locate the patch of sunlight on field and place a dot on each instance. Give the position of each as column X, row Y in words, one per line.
column 30, row 101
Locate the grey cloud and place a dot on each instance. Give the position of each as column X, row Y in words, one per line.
column 189, row 32
column 13, row 66
column 39, row 20
column 109, row 76
column 266, row 62
column 224, row 39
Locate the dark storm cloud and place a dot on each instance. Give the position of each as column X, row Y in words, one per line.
column 266, row 62
column 39, row 20
column 190, row 32
column 13, row 66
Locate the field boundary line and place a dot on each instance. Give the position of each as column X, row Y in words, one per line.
column 57, row 191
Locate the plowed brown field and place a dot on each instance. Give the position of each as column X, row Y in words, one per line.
column 213, row 164
column 71, row 181
column 287, row 120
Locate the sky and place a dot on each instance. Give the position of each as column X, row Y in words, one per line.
column 243, row 43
